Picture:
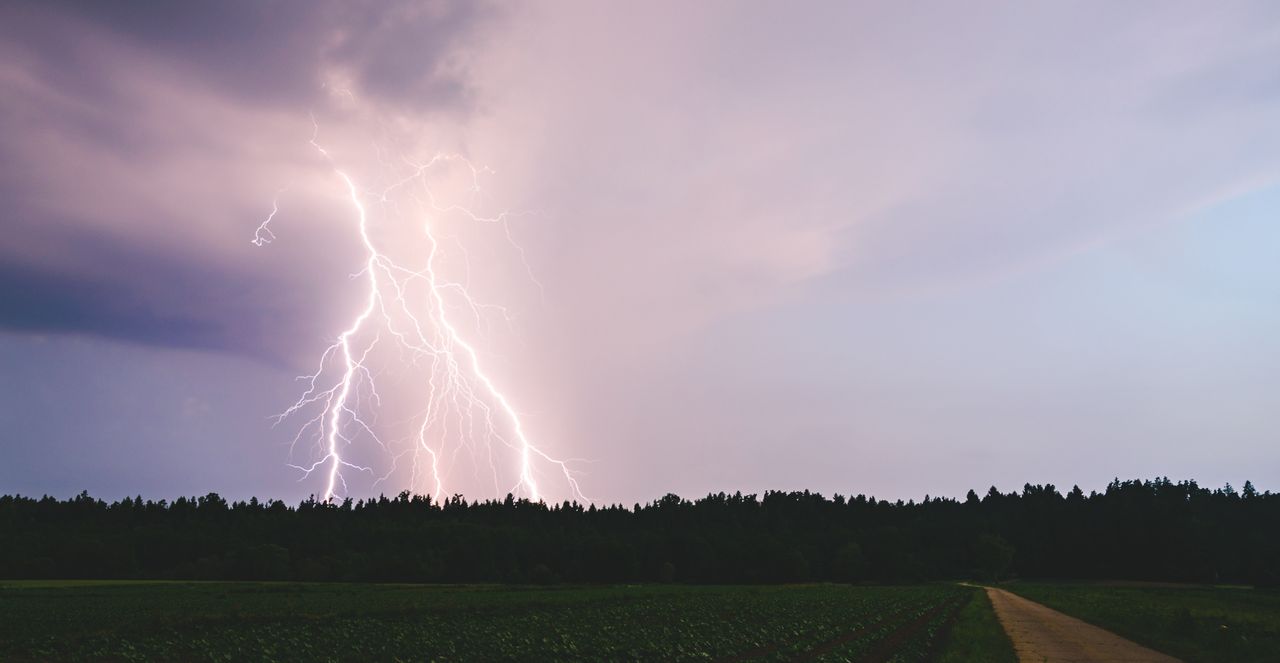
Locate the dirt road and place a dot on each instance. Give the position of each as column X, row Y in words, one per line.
column 1042, row 635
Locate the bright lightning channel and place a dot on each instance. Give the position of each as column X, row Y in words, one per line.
column 458, row 389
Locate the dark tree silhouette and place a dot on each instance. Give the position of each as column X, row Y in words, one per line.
column 993, row 555
column 1140, row 530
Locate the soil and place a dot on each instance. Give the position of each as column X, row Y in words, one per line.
column 1043, row 635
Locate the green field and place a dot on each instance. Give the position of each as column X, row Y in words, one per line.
column 341, row 622
column 1196, row 624
column 246, row 621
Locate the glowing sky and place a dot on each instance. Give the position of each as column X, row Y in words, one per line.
column 849, row 247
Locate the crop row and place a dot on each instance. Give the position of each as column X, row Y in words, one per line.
column 827, row 622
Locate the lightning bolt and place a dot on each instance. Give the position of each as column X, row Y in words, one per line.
column 263, row 236
column 413, row 312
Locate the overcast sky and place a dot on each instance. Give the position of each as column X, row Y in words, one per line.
column 848, row 247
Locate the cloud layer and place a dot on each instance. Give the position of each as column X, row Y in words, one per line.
column 773, row 242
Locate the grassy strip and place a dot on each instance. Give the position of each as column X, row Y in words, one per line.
column 977, row 635
column 1199, row 624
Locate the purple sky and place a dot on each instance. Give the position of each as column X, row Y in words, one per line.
column 848, row 247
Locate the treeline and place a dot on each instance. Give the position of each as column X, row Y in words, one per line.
column 1138, row 530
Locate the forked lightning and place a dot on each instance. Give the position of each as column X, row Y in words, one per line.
column 413, row 310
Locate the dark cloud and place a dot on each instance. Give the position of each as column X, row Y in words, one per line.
column 56, row 303
column 267, row 52
column 137, row 295
column 107, row 109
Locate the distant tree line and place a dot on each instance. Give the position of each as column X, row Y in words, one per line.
column 1138, row 530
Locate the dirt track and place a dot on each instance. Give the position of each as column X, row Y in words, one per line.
column 1043, row 635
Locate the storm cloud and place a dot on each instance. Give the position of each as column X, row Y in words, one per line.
column 131, row 135
column 282, row 53
column 836, row 246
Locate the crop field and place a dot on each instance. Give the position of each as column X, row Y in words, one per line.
column 1198, row 624
column 340, row 622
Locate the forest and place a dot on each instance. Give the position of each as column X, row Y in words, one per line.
column 1153, row 530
